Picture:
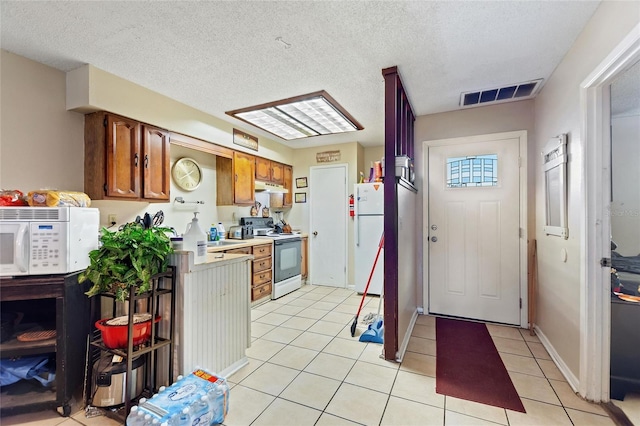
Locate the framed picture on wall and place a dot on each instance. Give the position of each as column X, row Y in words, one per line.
column 301, row 182
column 301, row 197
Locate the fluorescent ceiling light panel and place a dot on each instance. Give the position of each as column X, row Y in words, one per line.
column 300, row 117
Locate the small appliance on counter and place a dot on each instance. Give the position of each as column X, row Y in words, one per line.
column 47, row 240
column 241, row 232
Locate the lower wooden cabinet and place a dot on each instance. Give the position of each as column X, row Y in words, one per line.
column 262, row 282
column 262, row 278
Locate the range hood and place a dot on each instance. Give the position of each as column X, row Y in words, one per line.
column 270, row 187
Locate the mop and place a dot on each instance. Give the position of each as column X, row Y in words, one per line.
column 374, row 333
column 355, row 320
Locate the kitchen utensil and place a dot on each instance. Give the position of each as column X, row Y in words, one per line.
column 265, row 211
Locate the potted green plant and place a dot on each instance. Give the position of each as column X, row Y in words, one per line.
column 127, row 259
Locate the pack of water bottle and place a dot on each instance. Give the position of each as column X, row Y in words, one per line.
column 200, row 398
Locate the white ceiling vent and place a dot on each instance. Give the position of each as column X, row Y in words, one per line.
column 512, row 92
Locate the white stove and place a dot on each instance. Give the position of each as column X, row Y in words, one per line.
column 287, row 254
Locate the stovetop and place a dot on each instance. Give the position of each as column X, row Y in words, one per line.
column 282, row 236
column 265, row 227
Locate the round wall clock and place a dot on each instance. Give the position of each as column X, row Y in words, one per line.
column 186, row 174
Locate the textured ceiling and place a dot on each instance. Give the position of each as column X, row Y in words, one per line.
column 218, row 56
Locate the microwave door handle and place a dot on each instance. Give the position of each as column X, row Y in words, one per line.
column 22, row 248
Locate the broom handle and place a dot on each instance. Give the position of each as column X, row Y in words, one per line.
column 380, row 245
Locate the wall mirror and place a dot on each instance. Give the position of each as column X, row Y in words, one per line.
column 555, row 186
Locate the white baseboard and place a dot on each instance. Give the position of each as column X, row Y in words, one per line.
column 564, row 369
column 407, row 336
column 234, row 367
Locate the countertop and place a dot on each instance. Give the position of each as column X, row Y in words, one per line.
column 230, row 244
column 227, row 245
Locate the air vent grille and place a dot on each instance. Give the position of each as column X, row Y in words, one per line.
column 513, row 92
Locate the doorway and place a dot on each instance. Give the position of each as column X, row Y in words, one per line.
column 595, row 323
column 328, row 225
column 625, row 242
column 475, row 217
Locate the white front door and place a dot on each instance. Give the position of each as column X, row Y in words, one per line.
column 328, row 225
column 474, row 230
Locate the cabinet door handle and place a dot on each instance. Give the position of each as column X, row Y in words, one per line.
column 135, row 160
column 236, row 177
column 146, row 161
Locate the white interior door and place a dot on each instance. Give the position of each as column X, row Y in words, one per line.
column 474, row 230
column 328, row 225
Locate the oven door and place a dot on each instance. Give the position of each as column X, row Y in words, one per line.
column 287, row 258
column 14, row 248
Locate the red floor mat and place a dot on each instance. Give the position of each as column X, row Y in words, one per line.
column 469, row 367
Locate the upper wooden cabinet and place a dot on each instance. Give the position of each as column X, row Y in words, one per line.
column 125, row 159
column 277, row 173
column 269, row 171
column 284, row 200
column 263, row 169
column 288, row 184
column 235, row 179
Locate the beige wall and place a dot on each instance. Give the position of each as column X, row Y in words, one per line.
column 306, row 158
column 558, row 110
column 41, row 143
column 506, row 117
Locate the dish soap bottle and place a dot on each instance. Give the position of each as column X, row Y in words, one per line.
column 213, row 233
column 195, row 240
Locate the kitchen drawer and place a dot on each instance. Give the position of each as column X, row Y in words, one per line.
column 261, row 264
column 261, row 291
column 261, row 278
column 261, row 251
column 242, row 250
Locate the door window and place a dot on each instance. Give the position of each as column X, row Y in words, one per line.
column 472, row 171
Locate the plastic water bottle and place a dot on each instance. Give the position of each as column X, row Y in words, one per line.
column 184, row 418
column 137, row 420
column 181, row 419
column 147, row 420
column 214, row 403
column 132, row 417
column 213, row 233
column 201, row 411
column 220, row 402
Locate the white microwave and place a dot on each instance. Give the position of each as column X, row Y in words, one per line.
column 46, row 240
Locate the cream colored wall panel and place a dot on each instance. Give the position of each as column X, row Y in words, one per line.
column 41, row 143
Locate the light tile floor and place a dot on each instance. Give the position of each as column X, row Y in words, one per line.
column 306, row 369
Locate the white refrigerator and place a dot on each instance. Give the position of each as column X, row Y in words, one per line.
column 368, row 228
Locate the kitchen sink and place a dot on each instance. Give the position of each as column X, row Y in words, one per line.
column 222, row 243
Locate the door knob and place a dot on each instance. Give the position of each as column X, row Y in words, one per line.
column 434, row 227
column 434, row 239
column 315, row 233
